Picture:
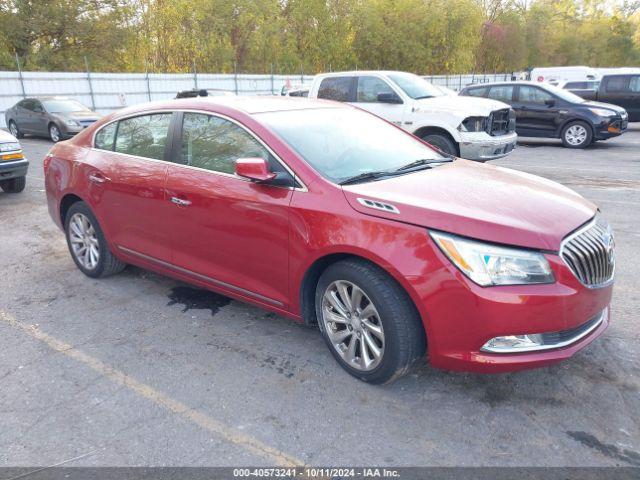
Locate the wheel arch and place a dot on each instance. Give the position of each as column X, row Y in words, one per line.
column 314, row 271
column 65, row 204
column 431, row 130
column 564, row 124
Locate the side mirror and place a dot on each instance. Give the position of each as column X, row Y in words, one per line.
column 550, row 103
column 255, row 169
column 389, row 98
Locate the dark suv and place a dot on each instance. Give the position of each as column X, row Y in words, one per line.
column 543, row 110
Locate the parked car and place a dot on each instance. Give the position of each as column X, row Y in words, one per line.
column 300, row 91
column 204, row 92
column 57, row 118
column 543, row 110
column 326, row 214
column 13, row 164
column 476, row 129
column 621, row 89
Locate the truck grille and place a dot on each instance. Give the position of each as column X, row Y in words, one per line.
column 501, row 122
column 589, row 253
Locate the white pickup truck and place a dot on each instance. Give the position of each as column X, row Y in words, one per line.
column 472, row 128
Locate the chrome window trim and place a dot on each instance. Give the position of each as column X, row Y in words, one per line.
column 577, row 233
column 302, row 188
column 549, row 346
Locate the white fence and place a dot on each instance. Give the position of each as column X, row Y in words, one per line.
column 105, row 92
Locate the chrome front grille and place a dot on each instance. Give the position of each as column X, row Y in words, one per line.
column 589, row 253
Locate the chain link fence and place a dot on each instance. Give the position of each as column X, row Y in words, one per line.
column 105, row 92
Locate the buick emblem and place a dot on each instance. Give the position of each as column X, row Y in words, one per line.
column 608, row 242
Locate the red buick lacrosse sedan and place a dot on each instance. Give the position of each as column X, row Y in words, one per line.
column 331, row 216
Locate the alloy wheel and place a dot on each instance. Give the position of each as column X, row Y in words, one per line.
column 576, row 135
column 54, row 133
column 13, row 128
column 353, row 325
column 84, row 241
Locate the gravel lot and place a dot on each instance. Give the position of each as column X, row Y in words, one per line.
column 138, row 369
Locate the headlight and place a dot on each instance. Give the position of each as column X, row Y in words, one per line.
column 473, row 124
column 9, row 147
column 72, row 123
column 603, row 112
column 488, row 264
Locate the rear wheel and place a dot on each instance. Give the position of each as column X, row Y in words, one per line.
column 368, row 321
column 577, row 135
column 441, row 142
column 15, row 131
column 14, row 185
column 87, row 244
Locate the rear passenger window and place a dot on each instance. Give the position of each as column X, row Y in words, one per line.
column 503, row 93
column 215, row 144
column 143, row 136
column 106, row 136
column 336, row 88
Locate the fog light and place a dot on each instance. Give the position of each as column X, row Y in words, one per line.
column 513, row 343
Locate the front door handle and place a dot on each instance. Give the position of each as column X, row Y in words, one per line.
column 180, row 201
column 97, row 178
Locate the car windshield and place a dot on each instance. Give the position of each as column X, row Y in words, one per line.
column 63, row 106
column 564, row 94
column 415, row 86
column 341, row 143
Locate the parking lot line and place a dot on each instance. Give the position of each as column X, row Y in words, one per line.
column 204, row 421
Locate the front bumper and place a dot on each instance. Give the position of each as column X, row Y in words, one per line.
column 482, row 146
column 611, row 127
column 461, row 317
column 13, row 169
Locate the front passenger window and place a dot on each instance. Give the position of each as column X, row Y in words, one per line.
column 143, row 136
column 370, row 87
column 214, row 143
column 534, row 95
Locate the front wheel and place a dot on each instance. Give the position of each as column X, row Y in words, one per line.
column 577, row 135
column 14, row 185
column 87, row 244
column 14, row 130
column 368, row 321
column 54, row 133
column 441, row 142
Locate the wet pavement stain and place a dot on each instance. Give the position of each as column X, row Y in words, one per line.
column 196, row 299
column 607, row 449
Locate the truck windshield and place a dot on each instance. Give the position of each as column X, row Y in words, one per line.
column 340, row 143
column 415, row 86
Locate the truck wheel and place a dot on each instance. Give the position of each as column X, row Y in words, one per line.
column 441, row 142
column 14, row 185
column 576, row 135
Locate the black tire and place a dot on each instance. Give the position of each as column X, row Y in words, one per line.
column 14, row 185
column 55, row 135
column 15, row 131
column 107, row 263
column 404, row 337
column 441, row 142
column 569, row 141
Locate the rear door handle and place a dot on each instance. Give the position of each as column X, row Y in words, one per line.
column 180, row 201
column 97, row 178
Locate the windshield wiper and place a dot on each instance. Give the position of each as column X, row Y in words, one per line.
column 422, row 97
column 367, row 176
column 423, row 162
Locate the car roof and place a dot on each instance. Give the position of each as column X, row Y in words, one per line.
column 247, row 105
column 497, row 84
column 359, row 73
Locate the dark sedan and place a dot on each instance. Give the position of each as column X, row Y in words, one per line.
column 543, row 110
column 57, row 118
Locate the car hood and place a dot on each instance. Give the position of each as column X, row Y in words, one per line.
column 608, row 106
column 6, row 137
column 481, row 201
column 464, row 106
